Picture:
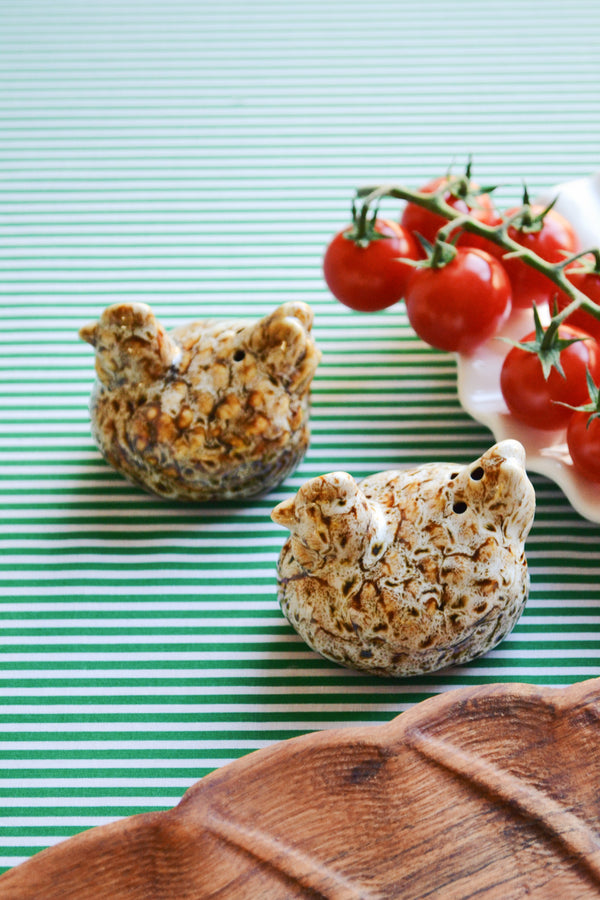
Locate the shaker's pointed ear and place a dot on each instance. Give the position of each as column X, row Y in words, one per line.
column 296, row 309
column 284, row 513
column 89, row 333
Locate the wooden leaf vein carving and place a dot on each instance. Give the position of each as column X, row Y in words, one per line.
column 535, row 806
column 306, row 871
column 488, row 792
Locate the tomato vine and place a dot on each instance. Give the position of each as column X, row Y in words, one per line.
column 435, row 202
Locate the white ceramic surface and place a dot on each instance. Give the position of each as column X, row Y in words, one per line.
column 479, row 373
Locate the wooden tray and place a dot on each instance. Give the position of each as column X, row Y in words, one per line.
column 483, row 792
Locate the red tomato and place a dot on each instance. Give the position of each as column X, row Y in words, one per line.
column 589, row 284
column 554, row 241
column 459, row 305
column 420, row 221
column 369, row 278
column 583, row 441
column 531, row 398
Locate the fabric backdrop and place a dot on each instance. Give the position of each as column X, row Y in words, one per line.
column 198, row 157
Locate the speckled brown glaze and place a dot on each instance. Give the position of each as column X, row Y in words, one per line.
column 408, row 571
column 209, row 411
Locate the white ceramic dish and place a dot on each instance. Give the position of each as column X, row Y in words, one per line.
column 479, row 374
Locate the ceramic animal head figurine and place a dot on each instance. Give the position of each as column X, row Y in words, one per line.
column 408, row 571
column 211, row 411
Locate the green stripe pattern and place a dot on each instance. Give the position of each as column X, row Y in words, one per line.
column 198, row 157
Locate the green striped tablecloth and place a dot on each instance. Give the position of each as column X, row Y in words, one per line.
column 198, row 156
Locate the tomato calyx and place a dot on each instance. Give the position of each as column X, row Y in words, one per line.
column 526, row 220
column 593, row 407
column 437, row 255
column 462, row 187
column 363, row 231
column 547, row 345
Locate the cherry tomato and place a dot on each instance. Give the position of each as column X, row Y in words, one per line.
column 554, row 241
column 461, row 304
column 531, row 398
column 589, row 284
column 420, row 221
column 372, row 277
column 583, row 440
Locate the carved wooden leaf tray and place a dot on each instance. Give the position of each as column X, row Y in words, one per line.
column 490, row 792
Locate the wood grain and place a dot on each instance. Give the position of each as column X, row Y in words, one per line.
column 483, row 792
